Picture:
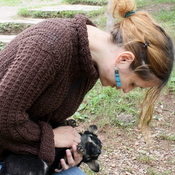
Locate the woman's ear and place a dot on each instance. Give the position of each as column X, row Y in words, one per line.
column 125, row 57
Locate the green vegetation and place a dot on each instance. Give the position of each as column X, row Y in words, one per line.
column 1, row 46
column 171, row 83
column 18, row 2
column 25, row 12
column 106, row 104
column 164, row 136
column 146, row 159
column 143, row 3
column 88, row 2
column 10, row 2
column 154, row 172
column 164, row 16
column 12, row 28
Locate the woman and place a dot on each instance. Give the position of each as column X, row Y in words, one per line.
column 47, row 70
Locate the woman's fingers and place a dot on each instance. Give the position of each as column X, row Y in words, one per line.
column 77, row 156
column 77, row 138
column 73, row 158
column 64, row 165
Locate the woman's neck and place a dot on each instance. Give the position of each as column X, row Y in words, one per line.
column 103, row 50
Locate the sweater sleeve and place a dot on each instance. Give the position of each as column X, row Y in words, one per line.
column 28, row 75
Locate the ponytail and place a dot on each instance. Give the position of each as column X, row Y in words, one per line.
column 138, row 33
column 122, row 7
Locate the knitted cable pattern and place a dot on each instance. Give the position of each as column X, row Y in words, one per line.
column 37, row 69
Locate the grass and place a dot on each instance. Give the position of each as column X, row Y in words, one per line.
column 145, row 159
column 154, row 172
column 164, row 16
column 164, row 136
column 143, row 3
column 12, row 28
column 1, row 46
column 109, row 104
column 10, row 2
column 171, row 83
column 25, row 12
column 19, row 2
column 13, row 2
column 88, row 2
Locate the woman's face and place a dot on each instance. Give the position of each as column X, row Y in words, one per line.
column 129, row 80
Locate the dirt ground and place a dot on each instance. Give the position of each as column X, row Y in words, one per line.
column 125, row 151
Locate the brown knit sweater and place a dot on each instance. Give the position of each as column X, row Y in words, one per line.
column 37, row 70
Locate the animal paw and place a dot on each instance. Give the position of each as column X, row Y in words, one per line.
column 81, row 150
column 71, row 122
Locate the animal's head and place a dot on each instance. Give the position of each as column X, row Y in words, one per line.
column 92, row 147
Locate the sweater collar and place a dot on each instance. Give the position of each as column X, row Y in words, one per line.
column 87, row 67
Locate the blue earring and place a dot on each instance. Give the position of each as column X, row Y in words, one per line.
column 117, row 78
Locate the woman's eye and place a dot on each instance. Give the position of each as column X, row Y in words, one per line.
column 132, row 84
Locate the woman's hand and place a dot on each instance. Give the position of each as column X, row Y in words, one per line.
column 66, row 136
column 73, row 158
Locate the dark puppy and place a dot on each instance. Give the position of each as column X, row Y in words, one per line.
column 90, row 148
column 18, row 164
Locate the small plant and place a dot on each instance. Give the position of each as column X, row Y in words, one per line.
column 23, row 12
column 1, row 46
column 80, row 117
column 167, row 137
column 58, row 14
column 145, row 159
column 12, row 28
column 151, row 171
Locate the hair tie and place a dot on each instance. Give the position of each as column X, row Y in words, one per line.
column 146, row 44
column 129, row 14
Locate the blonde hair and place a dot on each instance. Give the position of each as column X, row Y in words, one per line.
column 153, row 50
